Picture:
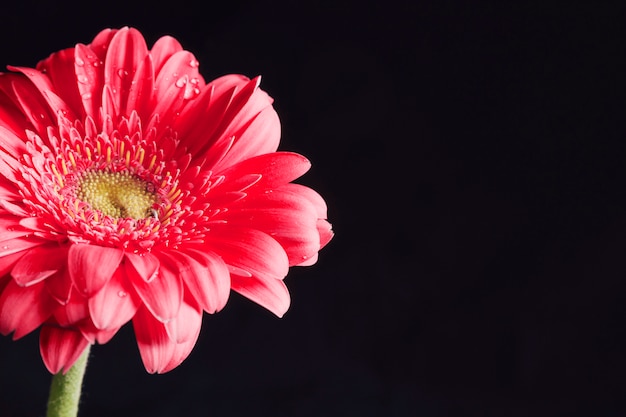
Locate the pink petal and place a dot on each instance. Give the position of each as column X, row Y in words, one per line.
column 186, row 325
column 33, row 105
column 126, row 52
column 250, row 250
column 115, row 304
column 144, row 266
column 277, row 169
column 8, row 262
column 73, row 312
column 163, row 49
column 38, row 264
column 11, row 143
column 288, row 217
column 60, row 69
column 59, row 286
column 60, row 348
column 206, row 276
column 260, row 136
column 142, row 90
column 92, row 266
column 19, row 244
column 90, row 78
column 266, row 292
column 326, row 232
column 181, row 352
column 163, row 294
column 155, row 346
column 45, row 87
column 23, row 309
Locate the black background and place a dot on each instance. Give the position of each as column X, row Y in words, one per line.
column 472, row 157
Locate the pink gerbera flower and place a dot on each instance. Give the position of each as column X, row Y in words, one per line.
column 131, row 190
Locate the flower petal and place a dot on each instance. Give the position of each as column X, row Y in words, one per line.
column 125, row 53
column 278, row 168
column 23, row 309
column 250, row 250
column 145, row 266
column 38, row 264
column 163, row 294
column 92, row 266
column 60, row 348
column 155, row 346
column 59, row 286
column 206, row 277
column 115, row 304
column 186, row 325
column 266, row 292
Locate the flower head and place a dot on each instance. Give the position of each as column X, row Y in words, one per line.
column 131, row 190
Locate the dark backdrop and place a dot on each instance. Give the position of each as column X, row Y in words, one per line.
column 472, row 157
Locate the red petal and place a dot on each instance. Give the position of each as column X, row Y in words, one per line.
column 266, row 292
column 90, row 78
column 91, row 266
column 277, row 169
column 206, row 276
column 286, row 216
column 60, row 348
column 73, row 312
column 38, row 264
column 250, row 250
column 115, row 304
column 259, row 136
column 59, row 286
column 20, row 244
column 163, row 294
column 126, row 52
column 142, row 90
column 163, row 49
column 144, row 266
column 186, row 325
column 60, row 69
column 180, row 353
column 23, row 309
column 8, row 262
column 155, row 346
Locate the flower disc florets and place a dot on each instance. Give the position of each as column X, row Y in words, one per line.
column 131, row 190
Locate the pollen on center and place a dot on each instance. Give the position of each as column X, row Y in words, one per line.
column 117, row 194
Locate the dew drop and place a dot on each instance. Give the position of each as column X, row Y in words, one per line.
column 97, row 63
column 122, row 294
column 79, row 61
column 122, row 73
column 5, row 247
column 82, row 79
column 86, row 96
column 194, row 63
column 180, row 82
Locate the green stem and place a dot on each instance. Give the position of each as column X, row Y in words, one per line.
column 65, row 389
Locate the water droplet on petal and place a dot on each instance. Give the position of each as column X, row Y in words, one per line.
column 5, row 247
column 122, row 73
column 194, row 63
column 79, row 61
column 180, row 82
column 86, row 96
column 122, row 294
column 82, row 79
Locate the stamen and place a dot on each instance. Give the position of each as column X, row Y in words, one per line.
column 117, row 194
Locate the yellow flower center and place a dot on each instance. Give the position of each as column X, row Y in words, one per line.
column 117, row 194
